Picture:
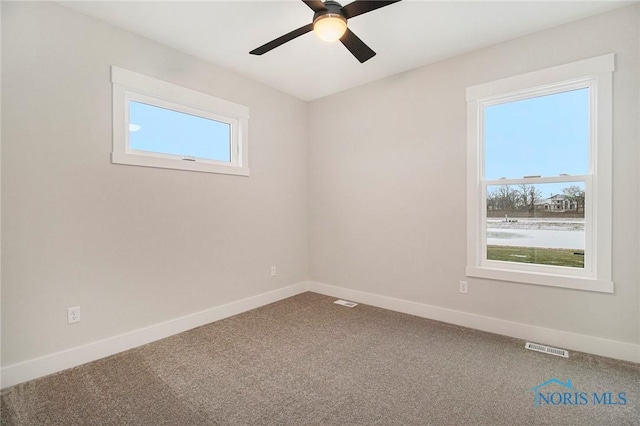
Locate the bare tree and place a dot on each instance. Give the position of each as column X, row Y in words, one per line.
column 535, row 195
column 575, row 194
column 492, row 199
column 507, row 197
column 523, row 192
column 529, row 195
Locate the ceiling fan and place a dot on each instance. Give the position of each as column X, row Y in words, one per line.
column 330, row 24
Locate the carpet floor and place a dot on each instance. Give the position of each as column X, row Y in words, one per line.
column 307, row 361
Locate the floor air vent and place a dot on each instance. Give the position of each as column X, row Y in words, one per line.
column 547, row 349
column 345, row 303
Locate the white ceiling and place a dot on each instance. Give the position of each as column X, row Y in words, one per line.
column 405, row 35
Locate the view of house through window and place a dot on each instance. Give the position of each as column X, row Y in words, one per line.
column 536, row 165
column 523, row 225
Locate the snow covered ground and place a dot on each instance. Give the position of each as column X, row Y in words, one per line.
column 535, row 232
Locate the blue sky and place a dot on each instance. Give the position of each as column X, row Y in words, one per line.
column 546, row 136
column 171, row 132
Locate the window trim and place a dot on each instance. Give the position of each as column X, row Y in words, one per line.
column 597, row 74
column 132, row 86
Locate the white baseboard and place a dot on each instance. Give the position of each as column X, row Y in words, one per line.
column 39, row 367
column 557, row 338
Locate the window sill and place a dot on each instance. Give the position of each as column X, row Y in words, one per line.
column 165, row 163
column 551, row 280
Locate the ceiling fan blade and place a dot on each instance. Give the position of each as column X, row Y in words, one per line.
column 361, row 51
column 315, row 5
column 282, row 40
column 359, row 7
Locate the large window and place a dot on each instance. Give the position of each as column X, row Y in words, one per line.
column 158, row 124
column 539, row 182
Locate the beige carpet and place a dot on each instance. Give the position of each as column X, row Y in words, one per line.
column 307, row 361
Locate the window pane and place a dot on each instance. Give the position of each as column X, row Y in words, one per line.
column 542, row 224
column 541, row 136
column 162, row 130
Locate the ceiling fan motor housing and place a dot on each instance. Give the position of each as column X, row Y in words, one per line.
column 332, row 8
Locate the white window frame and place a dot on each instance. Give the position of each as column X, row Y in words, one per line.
column 131, row 86
column 596, row 74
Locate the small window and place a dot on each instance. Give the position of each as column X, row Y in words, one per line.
column 539, row 189
column 158, row 124
column 153, row 129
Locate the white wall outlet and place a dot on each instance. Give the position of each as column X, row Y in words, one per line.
column 274, row 272
column 73, row 315
column 464, row 287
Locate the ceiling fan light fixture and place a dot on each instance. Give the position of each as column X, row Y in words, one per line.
column 330, row 26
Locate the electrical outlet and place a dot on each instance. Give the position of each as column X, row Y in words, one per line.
column 274, row 272
column 73, row 315
column 464, row 287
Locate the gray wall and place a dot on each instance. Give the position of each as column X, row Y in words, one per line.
column 132, row 246
column 388, row 194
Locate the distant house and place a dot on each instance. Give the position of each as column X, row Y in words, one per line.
column 557, row 203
